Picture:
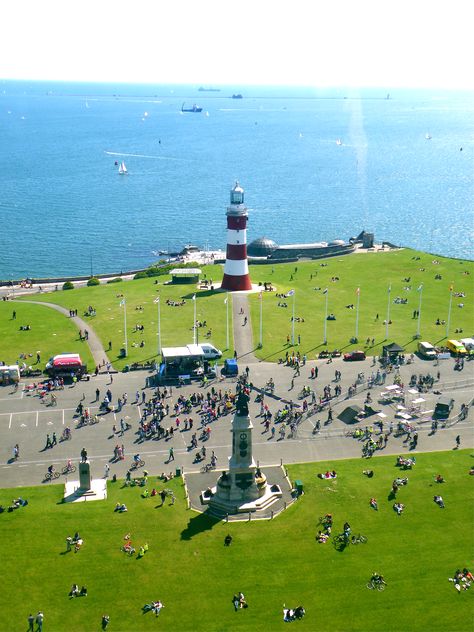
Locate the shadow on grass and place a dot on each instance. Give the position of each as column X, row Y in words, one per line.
column 198, row 524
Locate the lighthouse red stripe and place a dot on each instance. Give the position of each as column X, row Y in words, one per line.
column 236, row 252
column 236, row 283
column 237, row 223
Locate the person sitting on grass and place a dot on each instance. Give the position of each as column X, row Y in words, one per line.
column 322, row 537
column 399, row 507
column 83, row 592
column 120, row 507
column 373, row 504
column 439, row 501
column 74, row 591
column 228, row 540
column 439, row 478
column 368, row 473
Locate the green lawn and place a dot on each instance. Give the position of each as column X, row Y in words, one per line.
column 176, row 322
column 276, row 562
column 372, row 273
column 50, row 333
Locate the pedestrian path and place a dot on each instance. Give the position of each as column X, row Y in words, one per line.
column 95, row 345
column 243, row 339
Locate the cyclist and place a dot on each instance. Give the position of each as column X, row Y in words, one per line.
column 377, row 579
column 51, row 470
column 213, row 460
column 69, row 465
column 136, row 459
column 16, row 451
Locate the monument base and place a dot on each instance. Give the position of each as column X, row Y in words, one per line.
column 221, row 506
column 73, row 493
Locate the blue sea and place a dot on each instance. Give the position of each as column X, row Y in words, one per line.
column 404, row 170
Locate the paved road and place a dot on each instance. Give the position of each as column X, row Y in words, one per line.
column 24, row 419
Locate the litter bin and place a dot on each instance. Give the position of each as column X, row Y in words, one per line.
column 122, row 353
column 299, row 487
column 178, row 471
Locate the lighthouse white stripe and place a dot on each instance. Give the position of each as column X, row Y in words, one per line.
column 236, row 268
column 235, row 237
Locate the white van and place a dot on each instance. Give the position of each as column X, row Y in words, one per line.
column 427, row 350
column 210, row 352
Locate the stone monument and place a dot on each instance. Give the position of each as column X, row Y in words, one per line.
column 84, row 476
column 243, row 487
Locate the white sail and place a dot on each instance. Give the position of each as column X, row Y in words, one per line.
column 123, row 168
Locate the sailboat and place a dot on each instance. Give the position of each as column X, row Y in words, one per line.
column 123, row 169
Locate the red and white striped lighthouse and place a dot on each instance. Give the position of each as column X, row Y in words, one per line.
column 236, row 270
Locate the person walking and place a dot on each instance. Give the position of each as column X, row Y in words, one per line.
column 97, row 394
column 458, row 441
column 39, row 621
column 31, row 621
column 171, row 455
column 106, row 470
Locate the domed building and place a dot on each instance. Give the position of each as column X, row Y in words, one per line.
column 261, row 247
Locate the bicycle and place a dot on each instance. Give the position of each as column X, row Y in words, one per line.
column 136, row 464
column 69, row 469
column 50, row 475
column 376, row 585
column 208, row 467
column 358, row 539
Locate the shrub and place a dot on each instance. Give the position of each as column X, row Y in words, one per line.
column 116, row 280
column 68, row 285
column 93, row 281
column 141, row 275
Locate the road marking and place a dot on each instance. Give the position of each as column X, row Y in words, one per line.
column 10, row 422
column 37, row 418
column 63, row 416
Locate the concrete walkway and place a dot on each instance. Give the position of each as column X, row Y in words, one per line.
column 243, row 339
column 95, row 345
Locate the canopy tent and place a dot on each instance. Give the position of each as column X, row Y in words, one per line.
column 350, row 414
column 392, row 350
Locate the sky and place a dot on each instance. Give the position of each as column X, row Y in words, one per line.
column 387, row 43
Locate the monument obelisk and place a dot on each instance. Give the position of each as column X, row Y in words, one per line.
column 243, row 483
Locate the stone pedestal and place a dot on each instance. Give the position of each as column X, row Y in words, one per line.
column 84, row 476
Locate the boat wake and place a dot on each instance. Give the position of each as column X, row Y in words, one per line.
column 120, row 153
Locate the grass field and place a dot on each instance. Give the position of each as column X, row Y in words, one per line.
column 373, row 273
column 195, row 576
column 50, row 333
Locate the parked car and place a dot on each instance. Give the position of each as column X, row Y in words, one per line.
column 354, row 355
column 230, row 368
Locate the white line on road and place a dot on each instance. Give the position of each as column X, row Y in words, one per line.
column 63, row 416
column 10, row 423
column 37, row 418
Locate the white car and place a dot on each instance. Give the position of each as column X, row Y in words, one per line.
column 210, row 352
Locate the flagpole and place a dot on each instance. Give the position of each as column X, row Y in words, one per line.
column 449, row 310
column 326, row 319
column 388, row 312
column 261, row 320
column 293, row 322
column 357, row 312
column 226, row 301
column 125, row 325
column 419, row 312
column 157, row 300
column 194, row 322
